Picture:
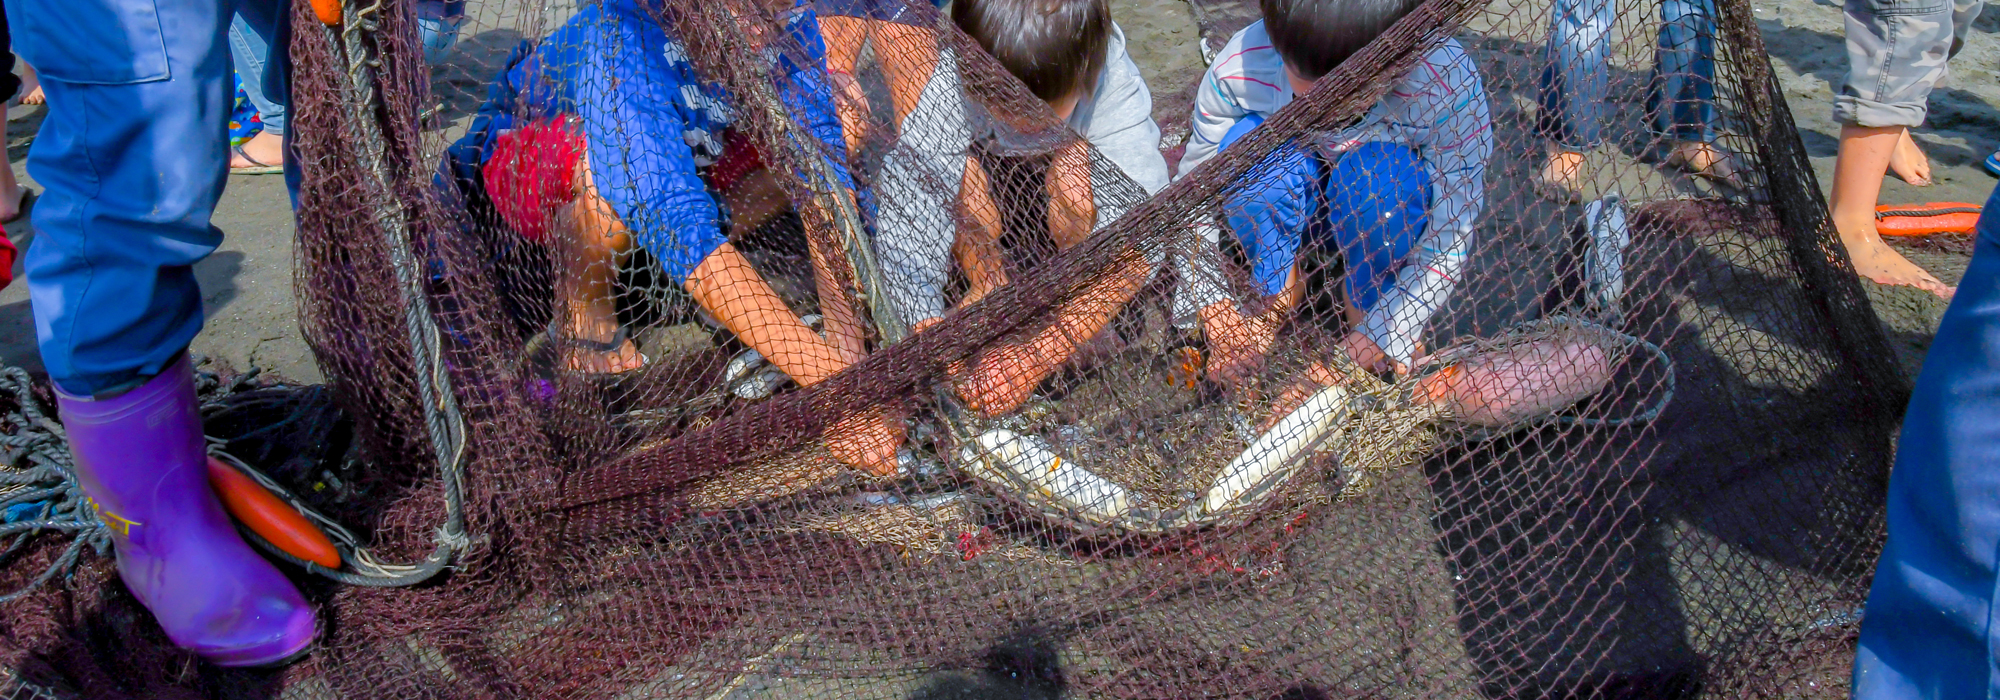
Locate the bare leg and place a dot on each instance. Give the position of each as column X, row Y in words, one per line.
column 1561, row 176
column 31, row 86
column 977, row 246
column 10, row 188
column 588, row 283
column 1857, row 182
column 1909, row 163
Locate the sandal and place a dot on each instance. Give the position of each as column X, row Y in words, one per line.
column 545, row 350
column 1722, row 169
column 256, row 167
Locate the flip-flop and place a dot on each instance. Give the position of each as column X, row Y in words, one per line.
column 21, row 210
column 257, row 167
column 1993, row 164
column 546, row 350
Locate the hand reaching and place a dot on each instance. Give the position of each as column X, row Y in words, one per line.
column 867, row 441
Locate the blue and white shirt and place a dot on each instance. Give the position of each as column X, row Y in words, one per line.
column 1439, row 109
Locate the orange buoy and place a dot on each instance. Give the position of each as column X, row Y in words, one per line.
column 328, row 11
column 270, row 517
column 1926, row 219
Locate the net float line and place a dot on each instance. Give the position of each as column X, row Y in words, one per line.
column 1927, row 219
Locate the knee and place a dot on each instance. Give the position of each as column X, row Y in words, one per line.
column 1382, row 172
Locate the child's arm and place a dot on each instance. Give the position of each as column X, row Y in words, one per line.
column 1455, row 155
column 1246, row 78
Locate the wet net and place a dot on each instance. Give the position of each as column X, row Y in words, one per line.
column 744, row 348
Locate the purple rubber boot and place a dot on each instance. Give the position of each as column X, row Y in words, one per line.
column 141, row 458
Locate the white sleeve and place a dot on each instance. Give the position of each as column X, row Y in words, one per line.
column 1120, row 124
column 1455, row 156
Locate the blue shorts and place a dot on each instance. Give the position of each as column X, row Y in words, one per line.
column 1370, row 205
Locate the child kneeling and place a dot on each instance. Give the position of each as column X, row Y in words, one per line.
column 603, row 136
column 1395, row 196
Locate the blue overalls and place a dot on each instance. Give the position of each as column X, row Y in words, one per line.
column 132, row 156
column 1928, row 630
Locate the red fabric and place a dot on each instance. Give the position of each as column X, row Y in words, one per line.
column 739, row 158
column 7, row 257
column 532, row 174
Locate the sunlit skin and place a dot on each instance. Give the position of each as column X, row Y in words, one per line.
column 726, row 285
column 1865, row 154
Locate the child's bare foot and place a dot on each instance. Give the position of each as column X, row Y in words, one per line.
column 1881, row 264
column 31, row 86
column 1561, row 177
column 1909, row 163
column 606, row 358
column 1705, row 160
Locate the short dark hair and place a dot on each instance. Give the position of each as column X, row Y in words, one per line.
column 1055, row 46
column 1314, row 36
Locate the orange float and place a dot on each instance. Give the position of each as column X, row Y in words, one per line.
column 1926, row 219
column 328, row 11
column 270, row 517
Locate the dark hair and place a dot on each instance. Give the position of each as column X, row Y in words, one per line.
column 1055, row 46
column 1314, row 36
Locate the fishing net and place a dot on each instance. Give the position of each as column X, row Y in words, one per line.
column 1643, row 454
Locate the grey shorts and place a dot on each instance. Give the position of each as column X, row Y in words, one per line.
column 1896, row 52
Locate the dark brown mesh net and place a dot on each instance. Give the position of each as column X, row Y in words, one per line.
column 1644, row 455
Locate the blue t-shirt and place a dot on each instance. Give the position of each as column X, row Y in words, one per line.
column 650, row 121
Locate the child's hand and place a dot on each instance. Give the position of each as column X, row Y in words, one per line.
column 1370, row 356
column 1237, row 344
column 867, row 441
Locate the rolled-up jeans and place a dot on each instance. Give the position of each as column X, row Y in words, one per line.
column 250, row 37
column 1576, row 75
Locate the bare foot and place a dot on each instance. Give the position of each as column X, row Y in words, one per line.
column 586, row 359
column 1909, row 163
column 1560, row 178
column 1706, row 160
column 31, row 86
column 1876, row 261
column 265, row 149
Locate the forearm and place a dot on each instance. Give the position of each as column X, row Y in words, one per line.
column 837, row 304
column 730, row 289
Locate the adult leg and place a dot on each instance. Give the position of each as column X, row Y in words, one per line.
column 1895, row 54
column 1683, row 90
column 132, row 157
column 251, row 38
column 1928, row 630
column 1574, row 86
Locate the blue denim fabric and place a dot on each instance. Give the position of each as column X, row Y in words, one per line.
column 1574, row 83
column 1369, row 205
column 124, row 215
column 251, row 35
column 1928, row 630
